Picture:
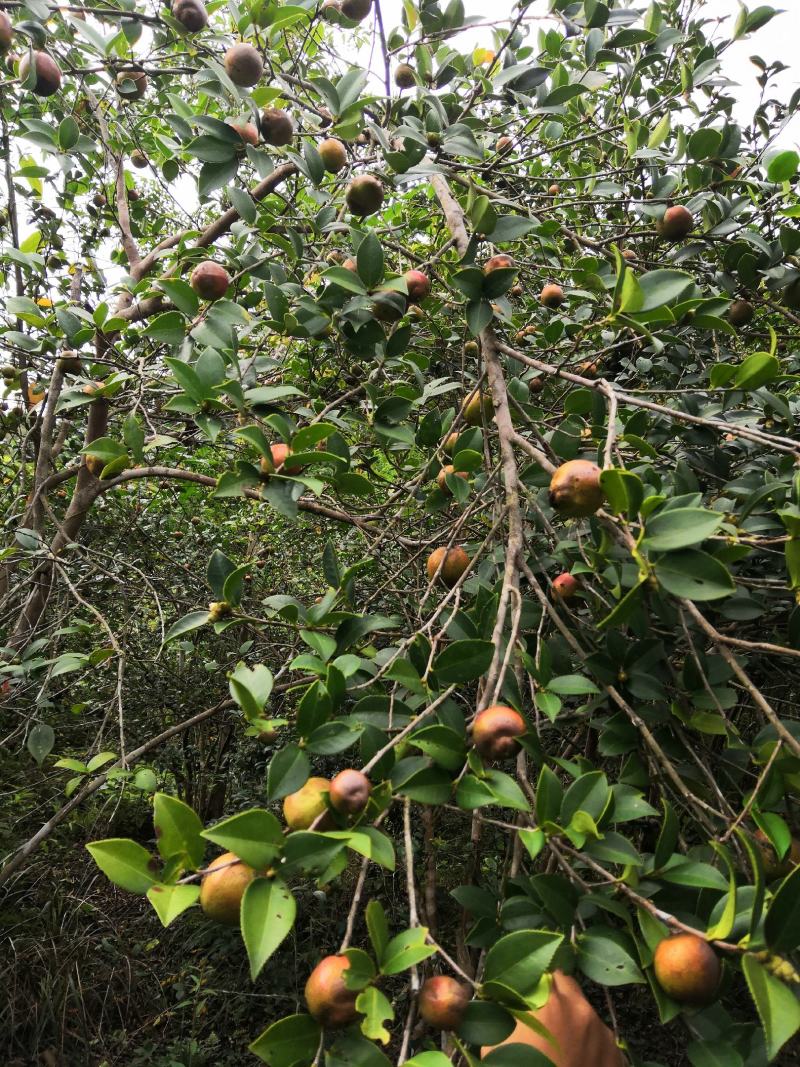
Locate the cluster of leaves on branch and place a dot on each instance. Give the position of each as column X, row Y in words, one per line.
column 517, row 326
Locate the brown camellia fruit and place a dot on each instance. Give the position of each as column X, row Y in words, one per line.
column 243, row 65
column 503, row 145
column 364, row 195
column 221, row 891
column 565, row 586
column 276, row 127
column 404, row 77
column 676, row 223
column 328, row 999
column 628, row 253
column 554, row 189
column 139, row 159
column 333, row 155
column 6, row 32
column 302, row 807
column 442, row 1001
column 453, row 561
column 388, row 305
column 740, row 313
column 471, row 348
column 191, row 14
column 210, row 280
column 356, row 9
column 475, row 407
column 70, row 362
column 551, row 296
column 349, row 792
column 441, row 477
column 132, row 84
column 773, row 867
column 495, row 732
column 419, row 285
column 48, row 73
column 575, row 490
column 94, row 464
column 279, row 453
column 248, row 131
column 499, row 262
column 687, row 969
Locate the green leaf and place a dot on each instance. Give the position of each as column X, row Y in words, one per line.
column 756, row 370
column 485, row 1023
column 288, row 770
column 783, row 166
column 405, row 950
column 288, row 1042
column 255, row 836
column 776, row 1004
column 126, row 863
column 376, row 1010
column 695, row 875
column 193, row 621
column 428, row 1059
column 377, row 927
column 694, row 575
column 624, row 491
column 170, row 901
column 463, row 661
column 369, row 259
column 679, row 528
column 267, row 915
column 177, row 829
column 40, row 742
column 782, row 922
column 250, row 688
column 517, row 962
column 602, row 958
column 570, row 685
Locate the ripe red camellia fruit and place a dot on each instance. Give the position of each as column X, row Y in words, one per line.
column 48, row 73
column 6, row 33
column 210, row 280
column 349, row 792
column 279, row 453
column 364, row 195
column 495, row 732
column 575, row 490
column 333, row 154
column 442, row 1001
column 676, row 223
column 419, row 285
column 243, row 65
column 687, row 969
column 328, row 999
column 246, row 130
column 499, row 262
column 551, row 296
column 453, row 561
column 565, row 586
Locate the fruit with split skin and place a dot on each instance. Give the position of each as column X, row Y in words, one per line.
column 575, row 490
column 364, row 195
column 222, row 888
column 279, row 454
column 441, row 477
column 687, row 969
column 551, row 296
column 453, row 561
column 302, row 807
column 328, row 999
column 676, row 223
column 276, row 127
column 333, row 155
column 48, row 73
column 191, row 14
column 349, row 792
column 476, row 407
column 442, row 1001
column 210, row 280
column 243, row 65
column 496, row 730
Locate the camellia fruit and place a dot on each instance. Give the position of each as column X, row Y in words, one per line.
column 495, row 732
column 210, row 280
column 740, row 313
column 356, row 10
column 243, row 65
column 364, row 195
column 554, row 189
column 276, row 127
column 475, row 407
column 6, row 33
column 279, row 453
column 139, row 159
column 453, row 561
column 349, row 792
column 565, row 586
column 48, row 73
column 328, row 999
column 687, row 969
column 450, row 443
column 773, row 867
column 551, row 296
column 575, row 490
column 676, row 223
column 441, row 477
column 419, row 285
column 221, row 890
column 132, row 84
column 442, row 1002
column 302, row 807
column 333, row 155
column 499, row 262
column 191, row 14
column 503, row 145
column 248, row 131
column 404, row 77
